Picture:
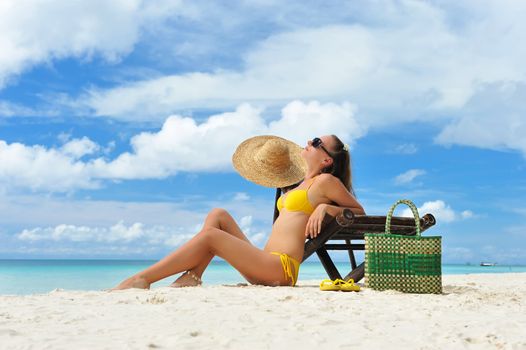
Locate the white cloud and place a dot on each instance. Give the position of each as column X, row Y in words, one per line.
column 9, row 109
column 76, row 224
column 78, row 148
column 64, row 137
column 21, row 212
column 300, row 121
column 117, row 234
column 37, row 167
column 397, row 61
column 495, row 117
column 35, row 32
column 413, row 61
column 407, row 61
column 180, row 145
column 184, row 145
column 241, row 196
column 330, row 63
column 408, row 176
column 178, row 228
column 458, row 254
column 245, row 222
column 121, row 236
column 256, row 236
column 178, row 240
column 406, row 148
column 467, row 214
column 520, row 211
column 440, row 210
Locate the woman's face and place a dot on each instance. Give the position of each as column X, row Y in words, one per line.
column 320, row 154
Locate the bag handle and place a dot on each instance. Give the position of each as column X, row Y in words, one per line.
column 413, row 208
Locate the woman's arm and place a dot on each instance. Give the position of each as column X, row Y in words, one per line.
column 336, row 192
column 334, row 210
column 332, row 188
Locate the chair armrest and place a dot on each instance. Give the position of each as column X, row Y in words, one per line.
column 347, row 225
column 331, row 225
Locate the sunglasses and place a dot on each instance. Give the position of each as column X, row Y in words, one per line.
column 317, row 143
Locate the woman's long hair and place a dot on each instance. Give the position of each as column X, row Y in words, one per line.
column 341, row 165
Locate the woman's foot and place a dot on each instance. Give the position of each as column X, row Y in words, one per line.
column 187, row 279
column 133, row 282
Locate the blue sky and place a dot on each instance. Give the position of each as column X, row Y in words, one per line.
column 118, row 119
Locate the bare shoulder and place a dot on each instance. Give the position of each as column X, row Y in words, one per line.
column 327, row 179
column 335, row 192
column 328, row 183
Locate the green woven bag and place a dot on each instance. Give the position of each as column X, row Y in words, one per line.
column 410, row 264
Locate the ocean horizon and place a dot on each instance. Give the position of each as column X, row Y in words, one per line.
column 35, row 276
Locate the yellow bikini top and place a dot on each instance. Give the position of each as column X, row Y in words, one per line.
column 296, row 200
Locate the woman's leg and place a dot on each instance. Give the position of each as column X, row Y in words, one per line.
column 216, row 218
column 256, row 265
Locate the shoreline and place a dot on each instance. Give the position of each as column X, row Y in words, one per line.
column 475, row 311
column 35, row 277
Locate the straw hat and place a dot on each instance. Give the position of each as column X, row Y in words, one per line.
column 270, row 161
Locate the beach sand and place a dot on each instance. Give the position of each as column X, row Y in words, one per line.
column 474, row 312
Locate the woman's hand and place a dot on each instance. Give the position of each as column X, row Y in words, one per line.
column 315, row 220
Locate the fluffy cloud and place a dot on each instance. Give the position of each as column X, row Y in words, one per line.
column 78, row 148
column 329, row 63
column 35, row 32
column 409, row 176
column 117, row 232
column 241, row 196
column 495, row 117
column 180, row 145
column 397, row 61
column 440, row 210
column 256, row 236
column 407, row 61
column 406, row 148
column 184, row 145
column 21, row 212
column 36, row 224
column 73, row 237
column 118, row 235
column 9, row 109
column 37, row 167
column 467, row 214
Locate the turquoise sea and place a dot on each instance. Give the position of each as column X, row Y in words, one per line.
column 21, row 277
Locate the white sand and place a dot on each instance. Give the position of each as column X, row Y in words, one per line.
column 475, row 312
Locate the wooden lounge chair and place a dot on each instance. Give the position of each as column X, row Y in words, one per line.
column 350, row 228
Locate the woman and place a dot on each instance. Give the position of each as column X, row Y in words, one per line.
column 326, row 188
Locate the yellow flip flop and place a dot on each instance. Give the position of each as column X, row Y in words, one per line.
column 329, row 285
column 339, row 284
column 349, row 286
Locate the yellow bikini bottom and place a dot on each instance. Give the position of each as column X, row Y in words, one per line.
column 288, row 264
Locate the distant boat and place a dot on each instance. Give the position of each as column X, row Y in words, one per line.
column 485, row 263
